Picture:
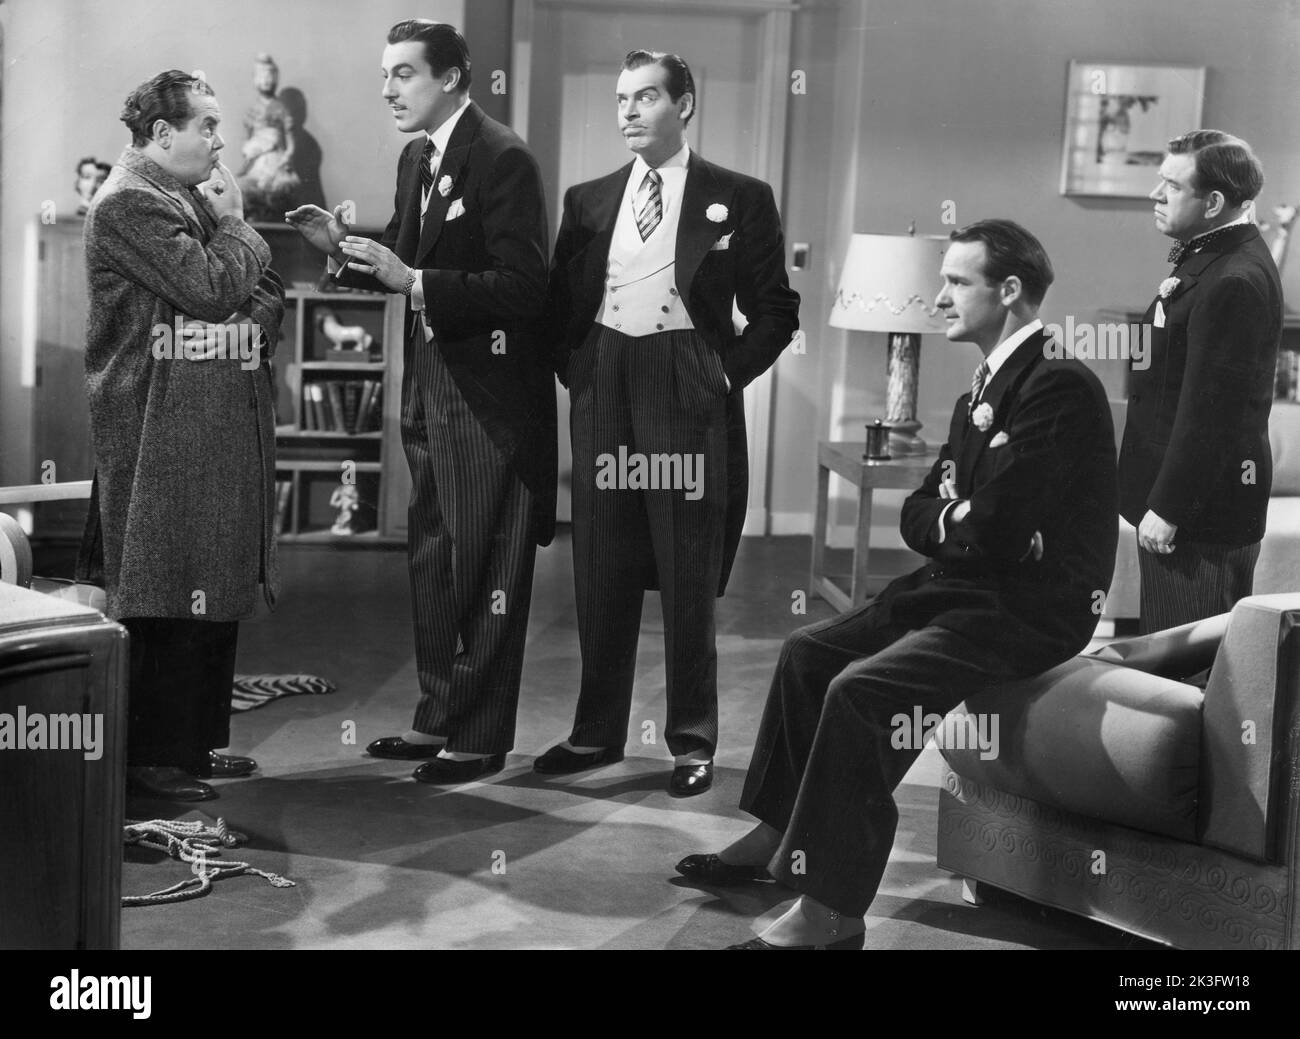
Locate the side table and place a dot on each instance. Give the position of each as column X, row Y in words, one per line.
column 844, row 458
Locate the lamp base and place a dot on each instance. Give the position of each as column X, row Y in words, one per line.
column 900, row 395
column 903, row 439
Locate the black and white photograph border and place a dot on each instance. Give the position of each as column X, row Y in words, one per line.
column 1058, row 813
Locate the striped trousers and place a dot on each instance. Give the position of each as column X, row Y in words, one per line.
column 470, row 555
column 660, row 396
column 1193, row 581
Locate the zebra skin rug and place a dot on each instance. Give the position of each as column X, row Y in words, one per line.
column 255, row 690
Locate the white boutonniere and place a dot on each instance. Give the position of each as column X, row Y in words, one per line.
column 1167, row 287
column 444, row 185
column 716, row 212
column 982, row 416
column 999, row 438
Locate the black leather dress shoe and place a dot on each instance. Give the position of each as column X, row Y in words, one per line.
column 854, row 942
column 689, row 780
column 224, row 766
column 165, row 783
column 446, row 771
column 560, row 761
column 709, row 869
column 398, row 749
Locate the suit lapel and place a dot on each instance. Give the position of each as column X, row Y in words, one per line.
column 408, row 200
column 453, row 167
column 696, row 233
column 168, row 185
column 1003, row 382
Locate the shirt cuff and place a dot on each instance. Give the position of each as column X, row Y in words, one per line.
column 943, row 520
column 417, row 293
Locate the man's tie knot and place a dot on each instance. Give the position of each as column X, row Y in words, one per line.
column 426, row 166
column 652, row 208
column 1181, row 250
column 977, row 383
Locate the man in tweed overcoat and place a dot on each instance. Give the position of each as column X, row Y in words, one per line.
column 182, row 426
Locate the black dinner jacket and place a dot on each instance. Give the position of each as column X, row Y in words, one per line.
column 1053, row 473
column 484, row 280
column 1200, row 410
column 751, row 271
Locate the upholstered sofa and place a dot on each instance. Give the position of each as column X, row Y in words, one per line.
column 1278, row 569
column 1124, row 794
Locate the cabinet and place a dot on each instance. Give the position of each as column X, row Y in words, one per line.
column 63, row 686
column 60, row 414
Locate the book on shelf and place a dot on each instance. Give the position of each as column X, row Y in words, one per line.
column 283, row 491
column 334, row 397
column 350, row 390
column 348, row 406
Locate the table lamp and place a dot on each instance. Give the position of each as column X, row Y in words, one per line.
column 888, row 284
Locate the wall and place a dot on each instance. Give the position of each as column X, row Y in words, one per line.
column 69, row 65
column 908, row 103
column 964, row 100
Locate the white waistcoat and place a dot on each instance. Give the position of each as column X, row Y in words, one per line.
column 641, row 296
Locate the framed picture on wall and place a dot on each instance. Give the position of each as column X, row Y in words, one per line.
column 1118, row 119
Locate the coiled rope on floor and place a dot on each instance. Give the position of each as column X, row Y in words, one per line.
column 197, row 844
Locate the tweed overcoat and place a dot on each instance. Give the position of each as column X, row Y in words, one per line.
column 184, row 448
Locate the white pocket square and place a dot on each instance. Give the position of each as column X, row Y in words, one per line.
column 722, row 243
column 999, row 439
column 456, row 209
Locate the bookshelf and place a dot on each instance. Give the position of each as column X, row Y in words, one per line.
column 337, row 410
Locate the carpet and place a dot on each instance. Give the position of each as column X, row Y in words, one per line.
column 253, row 691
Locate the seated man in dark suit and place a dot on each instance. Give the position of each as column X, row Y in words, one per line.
column 1017, row 521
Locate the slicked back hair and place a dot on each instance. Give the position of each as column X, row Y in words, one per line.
column 444, row 47
column 1011, row 250
column 680, row 80
column 1224, row 163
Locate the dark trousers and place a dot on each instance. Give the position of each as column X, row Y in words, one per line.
column 824, row 766
column 665, row 395
column 470, row 554
column 1193, row 581
column 182, row 677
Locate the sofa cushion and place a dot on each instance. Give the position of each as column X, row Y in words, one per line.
column 1284, row 438
column 1090, row 737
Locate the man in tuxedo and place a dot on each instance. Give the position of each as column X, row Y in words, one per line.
column 647, row 265
column 467, row 245
column 1195, row 467
column 184, row 314
column 1017, row 521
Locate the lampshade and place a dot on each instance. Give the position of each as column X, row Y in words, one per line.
column 889, row 284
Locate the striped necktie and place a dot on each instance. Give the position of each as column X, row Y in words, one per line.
column 653, row 210
column 977, row 384
column 426, row 167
